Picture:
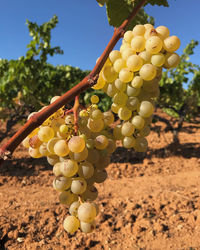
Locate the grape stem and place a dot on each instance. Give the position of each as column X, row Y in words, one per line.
column 75, row 111
column 90, row 80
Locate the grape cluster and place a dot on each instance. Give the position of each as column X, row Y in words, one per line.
column 131, row 78
column 78, row 158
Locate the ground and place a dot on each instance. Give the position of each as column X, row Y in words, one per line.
column 149, row 201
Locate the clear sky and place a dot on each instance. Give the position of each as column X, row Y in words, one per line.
column 83, row 30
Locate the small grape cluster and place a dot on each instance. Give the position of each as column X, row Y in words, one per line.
column 78, row 158
column 131, row 78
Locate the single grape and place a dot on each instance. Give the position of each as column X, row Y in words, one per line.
column 121, row 86
column 171, row 60
column 82, row 155
column 71, row 224
column 146, row 56
column 124, row 113
column 95, row 125
column 128, row 35
column 114, row 55
column 109, row 74
column 171, row 43
column 52, row 159
column 76, row 144
column 61, row 148
column 78, row 185
column 154, row 45
column 115, row 108
column 137, row 82
column 120, row 98
column 73, row 209
column 35, row 142
column 158, row 59
column 134, row 62
column 100, row 175
column 96, row 114
column 67, row 197
column 101, row 142
column 56, row 169
column 163, row 32
column 108, row 118
column 45, row 133
column 147, row 72
column 34, row 152
column 51, row 143
column 132, row 103
column 61, row 183
column 86, row 170
column 100, row 82
column 138, row 43
column 90, row 194
column 119, row 64
column 127, row 52
column 94, row 99
column 53, row 99
column 129, row 142
column 87, row 227
column 86, row 212
column 141, row 144
column 25, row 142
column 138, row 122
column 69, row 168
column 145, row 131
column 127, row 129
column 139, row 30
column 131, row 91
column 146, row 109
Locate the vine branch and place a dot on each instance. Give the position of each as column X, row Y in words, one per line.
column 90, row 80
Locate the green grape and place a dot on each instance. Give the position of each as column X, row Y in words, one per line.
column 146, row 109
column 145, row 131
column 128, row 141
column 120, row 98
column 125, row 75
column 163, row 32
column 35, row 142
column 80, row 156
column 61, row 183
column 132, row 103
column 104, row 161
column 53, row 99
column 127, row 52
column 115, row 108
column 139, row 30
column 69, row 119
column 52, row 159
column 76, row 144
column 121, row 86
column 56, row 169
column 87, row 227
column 100, row 82
column 51, row 143
column 95, row 125
column 108, row 118
column 171, row 60
column 148, row 26
column 171, row 43
column 114, row 55
column 45, row 133
column 61, row 148
column 78, row 185
column 100, row 175
column 128, row 35
column 25, row 142
column 141, row 144
column 138, row 122
column 134, row 62
column 111, row 90
column 158, row 59
column 67, row 197
column 68, row 167
column 147, row 72
column 96, row 114
column 63, row 129
column 101, row 142
column 89, row 144
column 131, row 91
column 138, row 43
column 119, row 64
column 94, row 99
column 109, row 74
column 93, row 156
column 111, row 146
column 127, row 129
column 71, row 224
column 34, row 152
column 137, row 82
column 73, row 209
column 90, row 194
column 154, row 44
column 150, row 33
column 117, row 132
column 124, row 113
column 43, row 150
column 146, row 56
column 87, row 212
column 86, row 170
column 124, row 46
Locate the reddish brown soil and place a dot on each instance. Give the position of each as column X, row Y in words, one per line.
column 148, row 202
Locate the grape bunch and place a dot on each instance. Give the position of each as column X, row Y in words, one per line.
column 79, row 159
column 79, row 144
column 131, row 78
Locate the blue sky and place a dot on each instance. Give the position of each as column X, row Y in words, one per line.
column 83, row 30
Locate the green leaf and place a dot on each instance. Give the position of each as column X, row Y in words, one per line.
column 101, row 2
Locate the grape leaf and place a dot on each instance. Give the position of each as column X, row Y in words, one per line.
column 119, row 10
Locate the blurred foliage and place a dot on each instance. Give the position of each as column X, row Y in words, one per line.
column 180, row 87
